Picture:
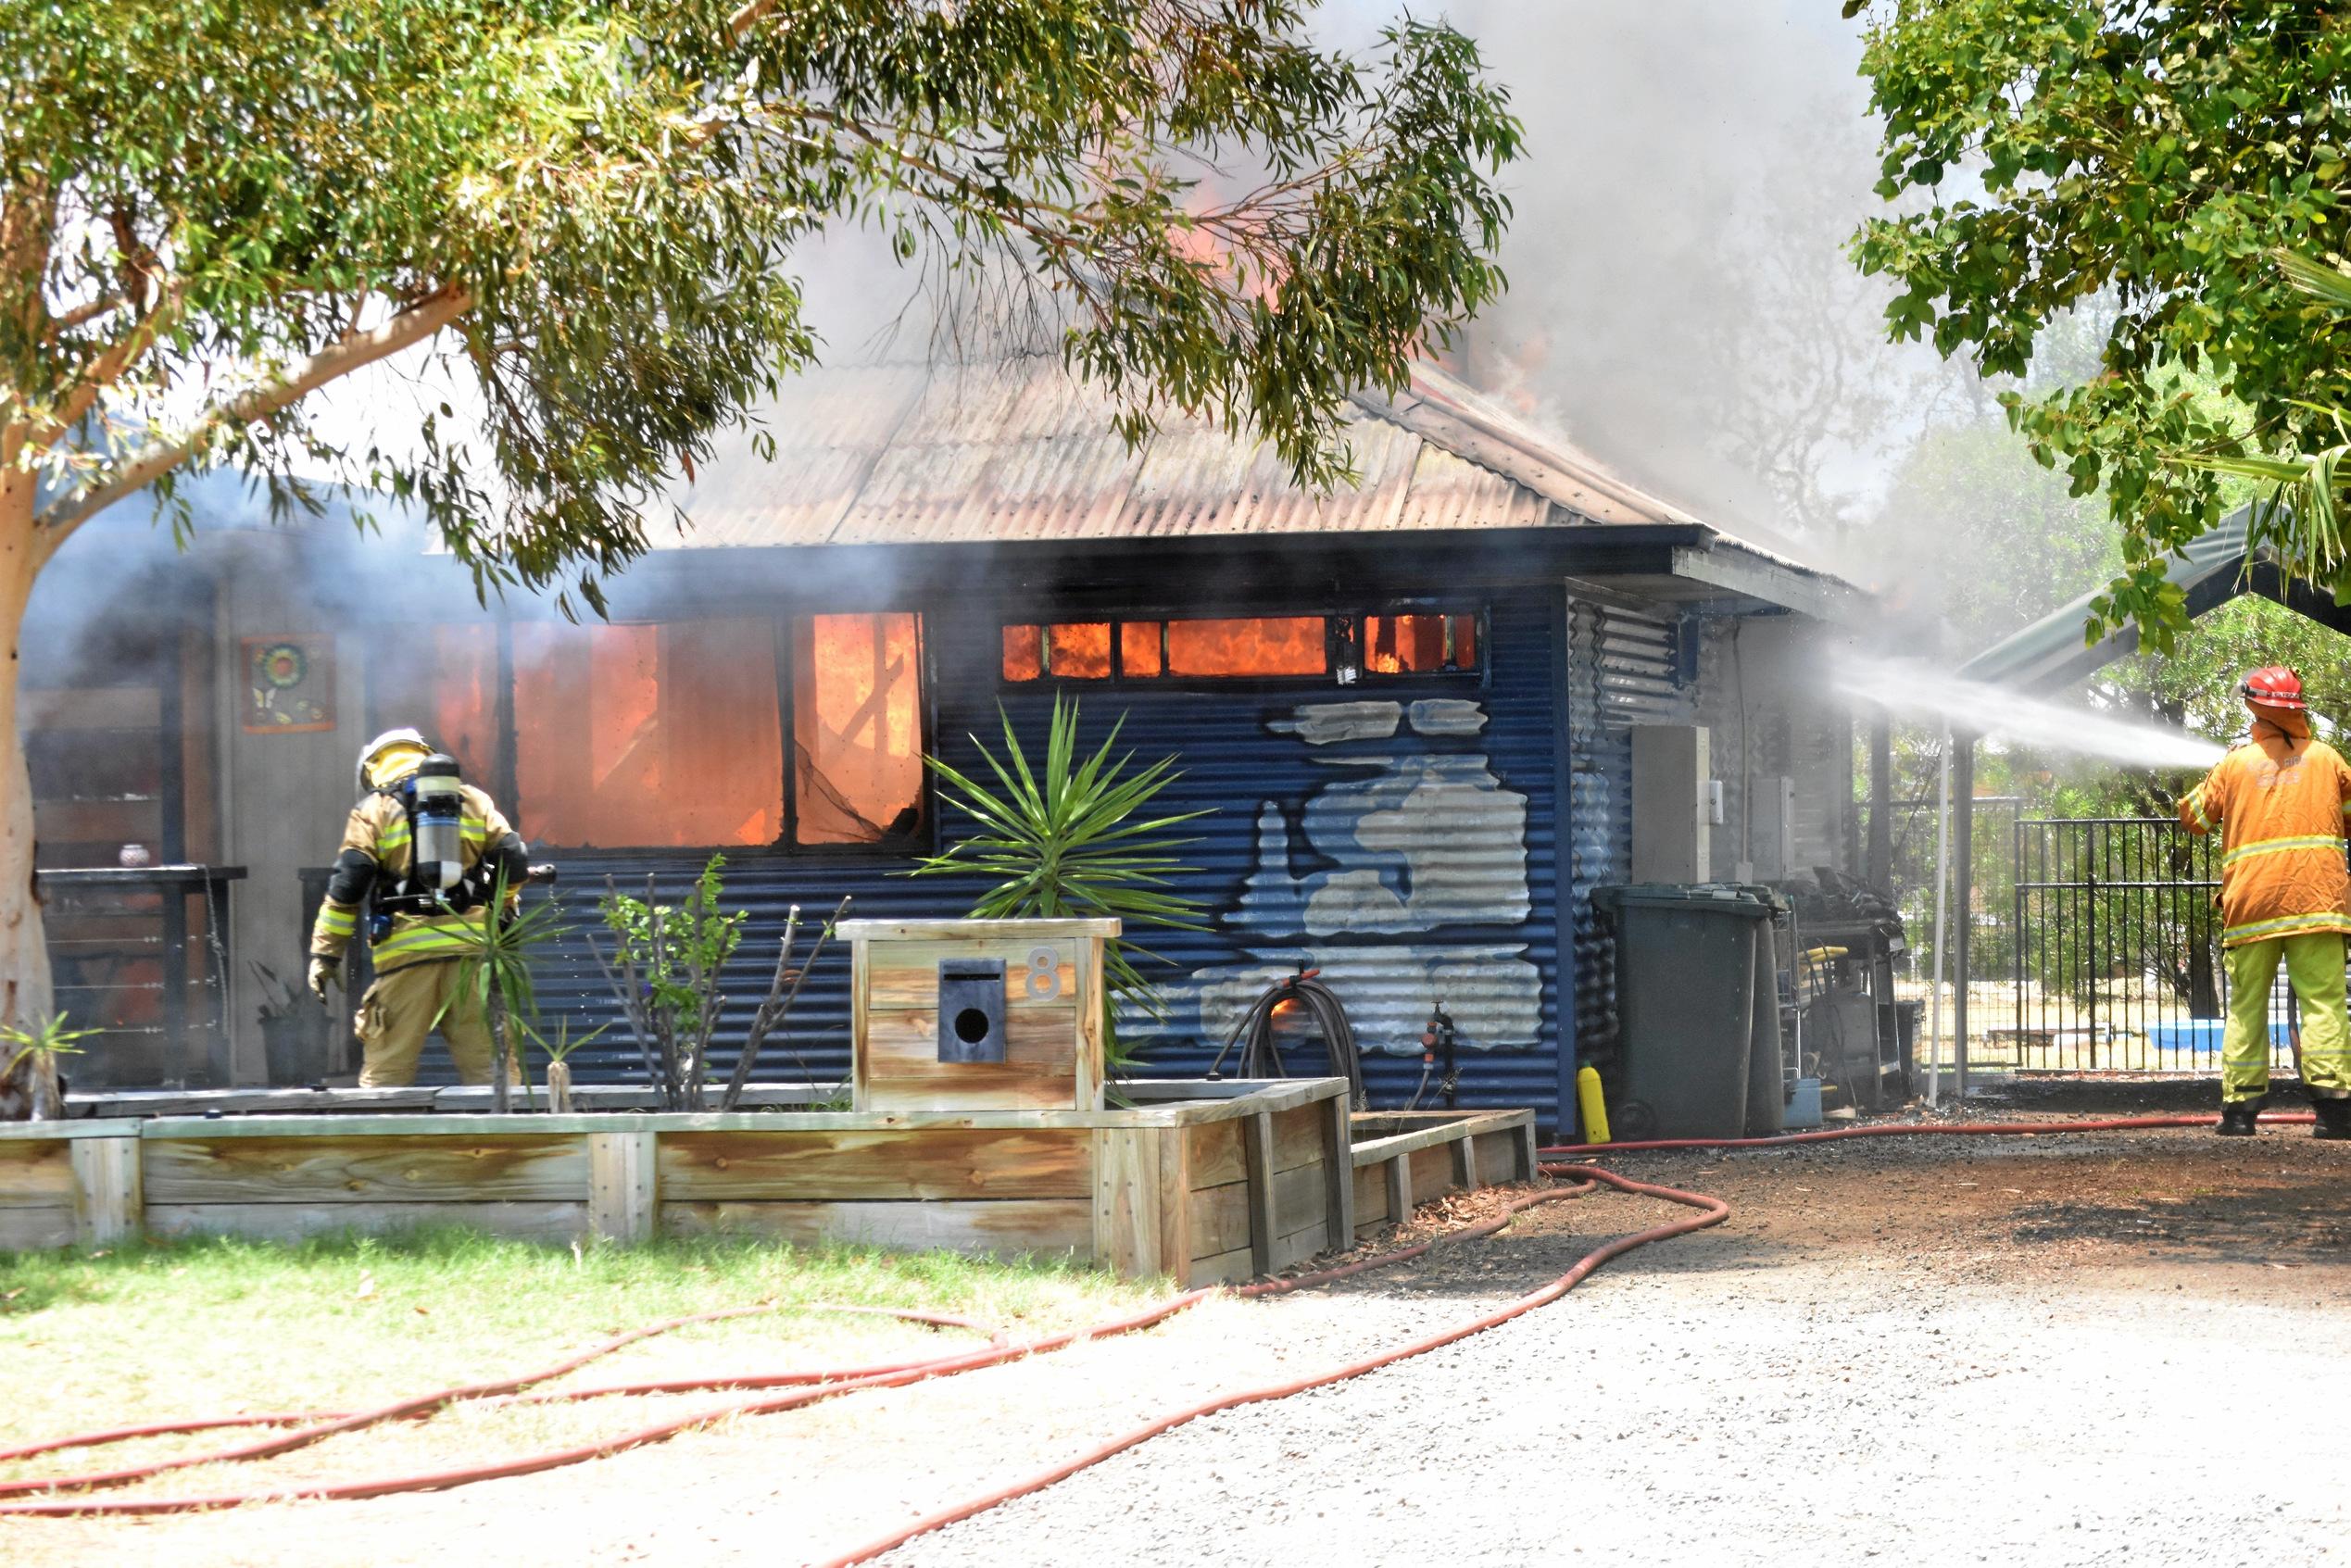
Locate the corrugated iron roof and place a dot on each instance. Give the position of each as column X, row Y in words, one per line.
column 1022, row 450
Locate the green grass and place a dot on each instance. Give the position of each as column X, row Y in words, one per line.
column 113, row 1337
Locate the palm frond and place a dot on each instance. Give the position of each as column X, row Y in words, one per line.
column 2315, row 278
column 1066, row 833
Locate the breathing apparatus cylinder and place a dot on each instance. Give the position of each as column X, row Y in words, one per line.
column 438, row 849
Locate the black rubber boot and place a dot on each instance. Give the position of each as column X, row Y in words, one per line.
column 2237, row 1115
column 2334, row 1118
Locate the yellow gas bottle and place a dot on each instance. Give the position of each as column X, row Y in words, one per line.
column 1588, row 1101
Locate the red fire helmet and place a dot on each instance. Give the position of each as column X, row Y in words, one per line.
column 2273, row 686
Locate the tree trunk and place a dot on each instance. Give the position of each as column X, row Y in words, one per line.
column 26, row 999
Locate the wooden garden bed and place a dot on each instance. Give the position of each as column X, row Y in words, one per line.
column 1403, row 1158
column 1206, row 1181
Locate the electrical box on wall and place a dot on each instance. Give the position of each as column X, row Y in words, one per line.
column 1673, row 803
column 1771, row 828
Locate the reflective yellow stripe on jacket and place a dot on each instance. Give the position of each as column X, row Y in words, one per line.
column 445, row 938
column 2331, row 842
column 2287, row 925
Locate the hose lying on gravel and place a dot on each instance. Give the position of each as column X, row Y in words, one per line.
column 808, row 1387
column 1260, row 1057
column 1716, row 1210
column 1912, row 1129
column 811, row 1388
column 1712, row 1211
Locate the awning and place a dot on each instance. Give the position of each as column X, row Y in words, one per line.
column 2055, row 651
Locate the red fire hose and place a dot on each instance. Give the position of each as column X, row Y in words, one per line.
column 817, row 1386
column 331, row 1424
column 1906, row 1129
column 810, row 1387
column 1712, row 1211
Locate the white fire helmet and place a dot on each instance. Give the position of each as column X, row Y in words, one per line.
column 381, row 743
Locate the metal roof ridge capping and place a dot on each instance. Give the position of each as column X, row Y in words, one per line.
column 1451, row 414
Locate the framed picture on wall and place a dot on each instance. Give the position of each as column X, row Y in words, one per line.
column 289, row 683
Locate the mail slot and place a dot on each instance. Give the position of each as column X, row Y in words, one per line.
column 970, row 1009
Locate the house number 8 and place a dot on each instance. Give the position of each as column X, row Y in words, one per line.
column 1044, row 972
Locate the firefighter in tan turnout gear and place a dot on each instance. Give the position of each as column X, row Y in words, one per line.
column 428, row 849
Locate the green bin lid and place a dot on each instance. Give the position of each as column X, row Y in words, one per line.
column 1732, row 899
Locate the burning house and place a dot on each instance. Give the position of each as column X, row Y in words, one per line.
column 1407, row 711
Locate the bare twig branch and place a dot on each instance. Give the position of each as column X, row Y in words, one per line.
column 82, row 315
column 350, row 353
column 749, row 1054
column 775, row 1010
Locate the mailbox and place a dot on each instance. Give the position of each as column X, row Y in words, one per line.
column 977, row 1015
column 970, row 1009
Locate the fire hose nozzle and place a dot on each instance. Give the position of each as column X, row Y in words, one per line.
column 543, row 875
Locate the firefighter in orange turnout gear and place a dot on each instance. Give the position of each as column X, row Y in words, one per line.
column 2281, row 802
column 419, row 904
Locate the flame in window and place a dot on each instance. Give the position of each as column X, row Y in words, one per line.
column 1417, row 645
column 1238, row 646
column 642, row 736
column 1258, row 646
column 1024, row 652
column 856, row 728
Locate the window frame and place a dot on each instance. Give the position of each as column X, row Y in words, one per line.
column 1350, row 615
column 506, row 789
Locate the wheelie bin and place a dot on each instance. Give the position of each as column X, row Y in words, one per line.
column 1688, row 1011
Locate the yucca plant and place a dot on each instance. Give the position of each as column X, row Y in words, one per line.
column 495, row 975
column 558, row 1060
column 34, row 1053
column 1070, row 839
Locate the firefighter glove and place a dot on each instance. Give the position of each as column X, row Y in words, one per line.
column 322, row 976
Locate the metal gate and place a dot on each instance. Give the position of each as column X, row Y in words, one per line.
column 2116, row 944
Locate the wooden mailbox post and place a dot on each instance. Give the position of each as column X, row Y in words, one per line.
column 926, row 1039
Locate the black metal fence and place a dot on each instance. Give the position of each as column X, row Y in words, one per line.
column 1991, row 939
column 2115, row 950
column 2093, row 945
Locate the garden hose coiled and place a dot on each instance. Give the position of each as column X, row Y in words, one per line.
column 1260, row 1057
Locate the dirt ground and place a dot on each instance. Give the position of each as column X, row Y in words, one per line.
column 2101, row 1349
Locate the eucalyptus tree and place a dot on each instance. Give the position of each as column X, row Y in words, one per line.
column 211, row 210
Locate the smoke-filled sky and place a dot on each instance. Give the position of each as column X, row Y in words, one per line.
column 1680, row 304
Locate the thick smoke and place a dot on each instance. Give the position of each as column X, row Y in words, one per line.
column 1682, row 305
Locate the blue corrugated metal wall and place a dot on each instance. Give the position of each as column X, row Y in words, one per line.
column 1621, row 673
column 1402, row 840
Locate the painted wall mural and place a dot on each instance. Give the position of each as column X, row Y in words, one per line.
column 1392, row 878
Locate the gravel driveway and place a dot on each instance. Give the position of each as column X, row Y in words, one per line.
column 2125, row 1349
